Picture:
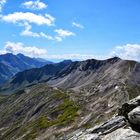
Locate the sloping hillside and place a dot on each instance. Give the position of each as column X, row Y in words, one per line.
column 37, row 112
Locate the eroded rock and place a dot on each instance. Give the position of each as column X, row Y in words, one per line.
column 85, row 136
column 110, row 125
column 134, row 116
column 122, row 134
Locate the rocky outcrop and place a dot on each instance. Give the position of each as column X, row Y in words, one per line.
column 110, row 125
column 134, row 116
column 129, row 106
column 84, row 135
column 131, row 111
column 97, row 132
column 125, row 127
column 122, row 134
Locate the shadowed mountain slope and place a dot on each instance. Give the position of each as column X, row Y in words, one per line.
column 33, row 76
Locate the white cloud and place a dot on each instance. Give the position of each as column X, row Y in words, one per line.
column 15, row 48
column 46, row 36
column 27, row 19
column 28, row 32
column 59, row 39
column 52, row 19
column 74, row 24
column 2, row 3
column 34, row 5
column 21, row 17
column 64, row 33
column 61, row 34
column 128, row 51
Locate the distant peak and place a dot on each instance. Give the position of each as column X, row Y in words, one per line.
column 20, row 54
column 66, row 61
column 114, row 59
column 7, row 54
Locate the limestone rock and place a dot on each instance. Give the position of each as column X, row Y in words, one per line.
column 85, row 136
column 110, row 125
column 129, row 106
column 134, row 116
column 122, row 134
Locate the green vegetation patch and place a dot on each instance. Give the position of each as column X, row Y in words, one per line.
column 60, row 95
column 66, row 113
column 69, row 112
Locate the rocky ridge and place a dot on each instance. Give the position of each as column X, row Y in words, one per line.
column 124, row 126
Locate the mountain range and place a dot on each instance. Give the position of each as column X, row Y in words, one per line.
column 11, row 64
column 63, row 100
column 80, row 75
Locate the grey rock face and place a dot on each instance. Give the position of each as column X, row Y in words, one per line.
column 103, row 129
column 135, row 101
column 134, row 116
column 122, row 134
column 129, row 106
column 84, row 135
column 131, row 111
column 110, row 125
column 124, row 127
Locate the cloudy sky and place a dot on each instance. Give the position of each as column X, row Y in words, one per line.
column 72, row 29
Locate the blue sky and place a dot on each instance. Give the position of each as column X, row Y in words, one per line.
column 74, row 29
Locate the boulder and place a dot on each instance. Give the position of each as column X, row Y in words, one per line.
column 134, row 116
column 109, row 126
column 122, row 134
column 129, row 106
column 89, row 137
column 84, row 135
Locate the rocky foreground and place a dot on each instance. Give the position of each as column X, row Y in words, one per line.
column 124, row 126
column 46, row 113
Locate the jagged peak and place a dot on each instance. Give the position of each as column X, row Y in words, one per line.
column 114, row 58
column 7, row 54
column 20, row 54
